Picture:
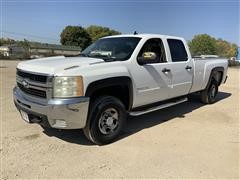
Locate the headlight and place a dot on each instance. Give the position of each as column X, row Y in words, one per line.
column 68, row 87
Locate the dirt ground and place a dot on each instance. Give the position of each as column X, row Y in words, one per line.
column 190, row 140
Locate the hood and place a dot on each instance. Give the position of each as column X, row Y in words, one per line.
column 57, row 65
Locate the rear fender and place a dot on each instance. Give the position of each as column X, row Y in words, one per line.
column 214, row 75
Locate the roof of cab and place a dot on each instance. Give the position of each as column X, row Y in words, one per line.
column 146, row 36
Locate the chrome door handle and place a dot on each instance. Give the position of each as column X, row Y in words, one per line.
column 188, row 67
column 165, row 70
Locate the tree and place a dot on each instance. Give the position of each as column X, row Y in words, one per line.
column 25, row 44
column 203, row 44
column 226, row 49
column 233, row 51
column 6, row 41
column 75, row 36
column 97, row 32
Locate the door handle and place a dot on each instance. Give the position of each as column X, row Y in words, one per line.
column 188, row 67
column 165, row 70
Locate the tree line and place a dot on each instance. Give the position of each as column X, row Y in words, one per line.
column 201, row 44
column 205, row 44
column 83, row 37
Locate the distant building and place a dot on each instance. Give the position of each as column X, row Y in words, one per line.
column 52, row 49
column 4, row 50
column 11, row 50
column 36, row 50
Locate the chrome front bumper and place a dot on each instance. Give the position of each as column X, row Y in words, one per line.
column 68, row 113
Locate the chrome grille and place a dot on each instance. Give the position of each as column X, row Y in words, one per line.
column 33, row 84
column 33, row 77
column 32, row 91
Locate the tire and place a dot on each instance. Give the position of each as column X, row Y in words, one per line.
column 45, row 128
column 106, row 119
column 208, row 96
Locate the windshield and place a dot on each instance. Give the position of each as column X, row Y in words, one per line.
column 112, row 49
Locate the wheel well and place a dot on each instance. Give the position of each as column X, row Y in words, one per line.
column 119, row 91
column 218, row 75
column 119, row 87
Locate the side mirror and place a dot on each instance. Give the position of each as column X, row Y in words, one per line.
column 147, row 58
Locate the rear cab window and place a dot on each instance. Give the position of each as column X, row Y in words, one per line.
column 177, row 50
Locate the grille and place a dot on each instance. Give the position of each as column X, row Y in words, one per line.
column 31, row 91
column 33, row 77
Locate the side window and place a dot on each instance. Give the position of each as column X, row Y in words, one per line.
column 154, row 45
column 177, row 50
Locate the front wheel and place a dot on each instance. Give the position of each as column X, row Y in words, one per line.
column 105, row 120
column 208, row 96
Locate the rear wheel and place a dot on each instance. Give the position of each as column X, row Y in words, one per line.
column 208, row 96
column 105, row 120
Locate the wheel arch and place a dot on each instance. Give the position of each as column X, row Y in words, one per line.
column 217, row 74
column 120, row 87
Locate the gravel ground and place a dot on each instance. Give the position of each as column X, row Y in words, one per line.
column 190, row 140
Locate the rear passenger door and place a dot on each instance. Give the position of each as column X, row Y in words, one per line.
column 181, row 68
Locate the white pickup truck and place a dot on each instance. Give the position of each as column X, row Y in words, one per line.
column 114, row 77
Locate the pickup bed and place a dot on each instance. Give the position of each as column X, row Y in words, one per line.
column 114, row 77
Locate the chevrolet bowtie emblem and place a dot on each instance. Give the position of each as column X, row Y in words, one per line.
column 25, row 84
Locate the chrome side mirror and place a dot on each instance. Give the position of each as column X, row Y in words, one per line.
column 147, row 58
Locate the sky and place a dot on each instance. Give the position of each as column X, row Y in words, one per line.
column 43, row 20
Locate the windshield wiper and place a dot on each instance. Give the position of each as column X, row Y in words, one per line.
column 109, row 59
column 105, row 58
column 83, row 55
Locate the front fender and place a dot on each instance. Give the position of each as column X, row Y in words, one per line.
column 98, row 74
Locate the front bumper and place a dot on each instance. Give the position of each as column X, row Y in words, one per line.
column 68, row 113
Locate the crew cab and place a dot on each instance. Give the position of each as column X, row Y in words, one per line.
column 113, row 78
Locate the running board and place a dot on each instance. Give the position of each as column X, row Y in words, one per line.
column 162, row 106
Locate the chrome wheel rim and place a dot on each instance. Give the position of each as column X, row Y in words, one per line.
column 108, row 121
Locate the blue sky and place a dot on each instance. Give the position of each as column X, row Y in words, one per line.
column 43, row 20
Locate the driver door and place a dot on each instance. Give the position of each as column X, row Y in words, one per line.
column 152, row 83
